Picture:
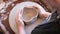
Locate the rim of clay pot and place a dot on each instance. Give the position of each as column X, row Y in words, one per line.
column 31, row 20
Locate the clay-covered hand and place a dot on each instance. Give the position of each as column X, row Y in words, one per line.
column 19, row 20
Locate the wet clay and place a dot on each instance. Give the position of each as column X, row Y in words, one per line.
column 29, row 13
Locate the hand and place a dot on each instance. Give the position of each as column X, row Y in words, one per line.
column 18, row 20
column 44, row 15
column 20, row 23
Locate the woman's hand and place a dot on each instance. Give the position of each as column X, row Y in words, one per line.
column 45, row 14
column 20, row 23
column 19, row 20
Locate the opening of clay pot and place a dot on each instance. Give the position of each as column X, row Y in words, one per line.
column 29, row 14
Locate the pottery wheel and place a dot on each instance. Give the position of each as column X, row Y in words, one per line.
column 14, row 11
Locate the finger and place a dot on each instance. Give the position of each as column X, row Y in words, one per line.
column 17, row 21
column 16, row 18
column 20, row 11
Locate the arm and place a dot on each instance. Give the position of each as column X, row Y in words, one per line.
column 20, row 25
column 21, row 30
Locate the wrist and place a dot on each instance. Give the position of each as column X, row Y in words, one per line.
column 21, row 30
column 20, row 26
